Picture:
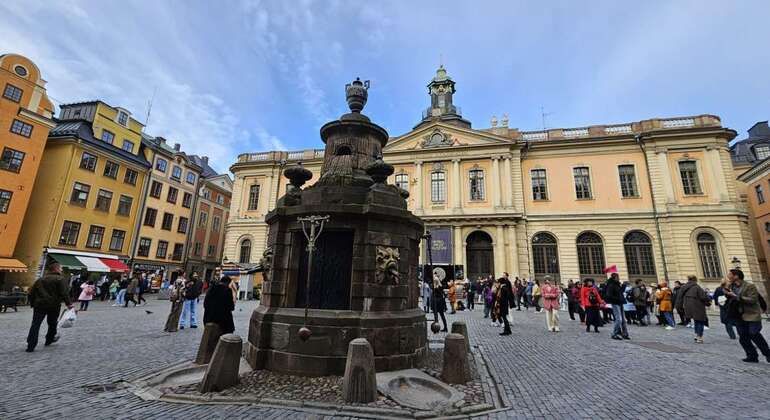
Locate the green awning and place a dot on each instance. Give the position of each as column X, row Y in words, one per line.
column 68, row 261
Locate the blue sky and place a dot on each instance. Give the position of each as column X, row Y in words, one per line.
column 243, row 76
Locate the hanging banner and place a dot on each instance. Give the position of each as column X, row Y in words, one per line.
column 441, row 245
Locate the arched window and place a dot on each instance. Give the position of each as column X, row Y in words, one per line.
column 437, row 187
column 476, row 178
column 590, row 251
column 709, row 256
column 545, row 256
column 402, row 181
column 638, row 247
column 245, row 254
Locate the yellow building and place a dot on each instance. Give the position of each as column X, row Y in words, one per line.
column 166, row 223
column 86, row 199
column 25, row 119
column 657, row 197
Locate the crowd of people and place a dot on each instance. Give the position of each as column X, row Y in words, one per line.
column 611, row 301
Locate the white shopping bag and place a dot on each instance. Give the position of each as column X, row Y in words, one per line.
column 68, row 318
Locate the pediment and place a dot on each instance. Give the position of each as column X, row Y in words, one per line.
column 442, row 136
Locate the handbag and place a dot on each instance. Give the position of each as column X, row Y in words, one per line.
column 734, row 309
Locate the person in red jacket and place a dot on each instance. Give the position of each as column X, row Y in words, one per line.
column 591, row 301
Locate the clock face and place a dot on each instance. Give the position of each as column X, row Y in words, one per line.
column 440, row 273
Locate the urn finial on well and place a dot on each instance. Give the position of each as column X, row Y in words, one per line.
column 356, row 94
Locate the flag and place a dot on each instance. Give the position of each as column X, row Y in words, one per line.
column 611, row 269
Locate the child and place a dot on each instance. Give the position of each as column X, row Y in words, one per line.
column 114, row 289
column 88, row 290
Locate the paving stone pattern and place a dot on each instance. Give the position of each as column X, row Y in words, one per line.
column 571, row 374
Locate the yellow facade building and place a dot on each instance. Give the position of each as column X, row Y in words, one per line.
column 25, row 119
column 87, row 195
column 166, row 222
column 657, row 197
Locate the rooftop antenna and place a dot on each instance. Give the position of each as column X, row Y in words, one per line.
column 544, row 114
column 149, row 107
column 441, row 60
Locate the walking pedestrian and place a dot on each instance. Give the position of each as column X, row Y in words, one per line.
column 45, row 298
column 517, row 289
column 123, row 286
column 141, row 288
column 675, row 299
column 641, row 295
column 193, row 289
column 665, row 305
column 628, row 302
column 439, row 302
column 114, row 286
column 693, row 301
column 746, row 311
column 426, row 292
column 470, row 290
column 528, row 294
column 176, row 297
column 496, row 321
column 489, row 298
column 537, row 294
column 504, row 303
column 651, row 304
column 591, row 301
column 613, row 295
column 218, row 306
column 87, row 293
column 131, row 290
column 720, row 299
column 551, row 294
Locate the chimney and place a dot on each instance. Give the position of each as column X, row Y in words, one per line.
column 205, row 159
column 177, row 146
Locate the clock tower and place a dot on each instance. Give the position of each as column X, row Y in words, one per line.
column 441, row 88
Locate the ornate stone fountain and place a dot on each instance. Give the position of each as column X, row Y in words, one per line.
column 363, row 276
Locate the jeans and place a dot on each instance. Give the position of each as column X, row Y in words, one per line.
column 669, row 318
column 121, row 297
column 619, row 327
column 84, row 305
column 750, row 334
column 699, row 327
column 38, row 315
column 730, row 328
column 641, row 314
column 190, row 305
column 470, row 300
column 487, row 309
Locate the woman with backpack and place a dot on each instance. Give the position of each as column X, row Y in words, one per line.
column 591, row 301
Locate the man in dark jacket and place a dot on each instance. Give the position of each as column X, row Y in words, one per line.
column 45, row 298
column 505, row 301
column 193, row 290
column 641, row 296
column 613, row 294
column 748, row 318
column 675, row 299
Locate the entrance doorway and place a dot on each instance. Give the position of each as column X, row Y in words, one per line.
column 480, row 255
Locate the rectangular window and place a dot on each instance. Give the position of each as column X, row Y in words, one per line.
column 763, row 152
column 144, row 247
column 69, row 233
column 172, row 195
column 103, row 200
column 760, row 194
column 21, row 128
column 11, row 160
column 5, row 200
column 149, row 217
column 178, row 250
column 123, row 118
column 186, row 200
column 211, row 250
column 253, row 197
column 627, row 175
column 190, row 178
column 539, row 185
column 111, row 169
column 156, row 189
column 688, row 171
column 402, row 181
column 12, row 93
column 582, row 183
column 160, row 165
column 108, row 136
column 437, row 187
column 176, row 173
column 79, row 195
column 206, row 194
column 215, row 224
column 130, row 177
column 88, row 162
column 168, row 221
column 162, row 249
column 182, row 227
column 128, row 146
column 95, row 236
column 197, row 248
column 220, row 199
column 117, row 240
column 124, row 205
column 202, row 219
column 476, row 178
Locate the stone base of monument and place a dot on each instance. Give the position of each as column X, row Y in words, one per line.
column 222, row 371
column 460, row 327
column 359, row 385
column 456, row 369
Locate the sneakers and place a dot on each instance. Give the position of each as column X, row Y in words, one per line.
column 750, row 360
column 616, row 337
column 669, row 328
column 181, row 327
column 29, row 349
column 626, row 337
column 706, row 328
column 55, row 339
column 699, row 340
column 193, row 326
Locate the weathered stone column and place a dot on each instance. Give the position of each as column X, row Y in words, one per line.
column 457, row 246
column 718, row 173
column 456, row 369
column 359, row 385
column 513, row 251
column 507, row 183
column 222, row 372
column 418, row 187
column 665, row 175
column 209, row 340
column 456, row 186
column 495, row 181
column 499, row 250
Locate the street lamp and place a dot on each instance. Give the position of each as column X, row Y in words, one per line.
column 434, row 326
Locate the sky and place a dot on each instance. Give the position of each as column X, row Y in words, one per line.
column 237, row 76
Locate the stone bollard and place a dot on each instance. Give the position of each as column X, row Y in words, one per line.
column 460, row 327
column 359, row 385
column 222, row 372
column 211, row 334
column 456, row 369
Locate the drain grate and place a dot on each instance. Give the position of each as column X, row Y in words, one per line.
column 665, row 348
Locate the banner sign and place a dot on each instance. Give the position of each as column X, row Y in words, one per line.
column 441, row 245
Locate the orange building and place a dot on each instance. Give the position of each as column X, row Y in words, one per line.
column 757, row 180
column 25, row 119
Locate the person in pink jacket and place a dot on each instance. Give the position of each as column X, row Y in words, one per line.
column 551, row 293
column 87, row 292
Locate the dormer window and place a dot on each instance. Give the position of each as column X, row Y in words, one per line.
column 123, row 118
column 763, row 152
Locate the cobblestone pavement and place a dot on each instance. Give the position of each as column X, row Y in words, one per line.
column 571, row 374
